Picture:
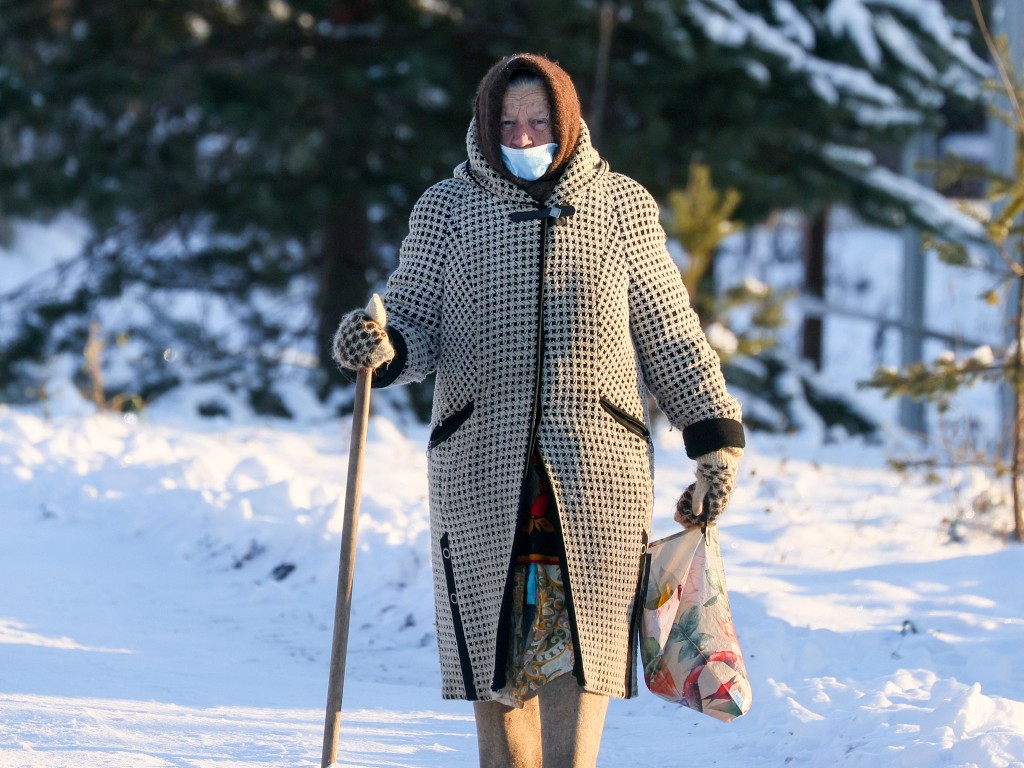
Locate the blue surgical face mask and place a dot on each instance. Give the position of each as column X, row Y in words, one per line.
column 529, row 163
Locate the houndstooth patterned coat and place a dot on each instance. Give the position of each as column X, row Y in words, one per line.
column 550, row 334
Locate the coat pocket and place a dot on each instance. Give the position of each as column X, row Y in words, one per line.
column 447, row 427
column 635, row 426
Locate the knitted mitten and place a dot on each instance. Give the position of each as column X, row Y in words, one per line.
column 705, row 500
column 361, row 342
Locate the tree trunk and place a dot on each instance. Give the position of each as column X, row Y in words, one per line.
column 346, row 255
column 605, row 24
column 1017, row 464
column 345, row 262
column 814, row 285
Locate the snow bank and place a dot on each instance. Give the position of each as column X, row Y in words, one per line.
column 169, row 590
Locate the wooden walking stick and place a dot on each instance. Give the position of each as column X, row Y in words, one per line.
column 346, row 565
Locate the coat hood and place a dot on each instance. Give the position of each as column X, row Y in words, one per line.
column 565, row 108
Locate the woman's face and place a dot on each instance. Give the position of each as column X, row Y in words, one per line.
column 526, row 117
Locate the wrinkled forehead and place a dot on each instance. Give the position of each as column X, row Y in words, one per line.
column 530, row 98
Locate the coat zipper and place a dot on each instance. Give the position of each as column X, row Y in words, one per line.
column 505, row 614
column 539, row 369
column 460, row 635
column 534, row 429
column 504, row 617
column 637, row 617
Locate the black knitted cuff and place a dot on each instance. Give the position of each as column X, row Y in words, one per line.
column 711, row 435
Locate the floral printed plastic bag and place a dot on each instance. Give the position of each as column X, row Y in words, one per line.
column 687, row 641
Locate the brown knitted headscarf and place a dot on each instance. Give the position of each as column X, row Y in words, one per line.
column 565, row 109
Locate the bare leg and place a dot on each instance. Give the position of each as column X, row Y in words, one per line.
column 573, row 720
column 508, row 737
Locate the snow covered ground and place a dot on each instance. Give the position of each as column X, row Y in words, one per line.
column 149, row 615
column 167, row 586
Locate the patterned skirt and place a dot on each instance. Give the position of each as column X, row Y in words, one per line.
column 540, row 642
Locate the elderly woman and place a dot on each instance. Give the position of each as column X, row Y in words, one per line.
column 536, row 285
